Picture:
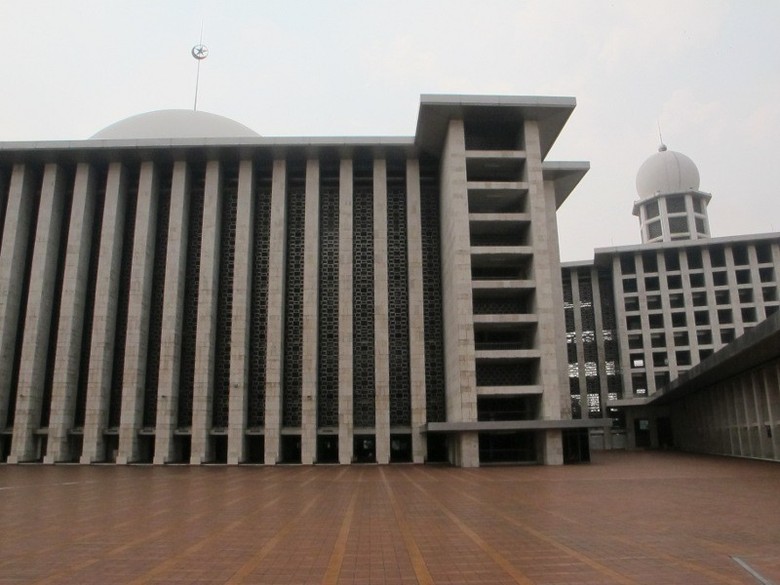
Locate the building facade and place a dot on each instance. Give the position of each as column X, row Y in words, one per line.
column 179, row 289
column 638, row 317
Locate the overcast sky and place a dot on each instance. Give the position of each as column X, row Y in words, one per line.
column 708, row 71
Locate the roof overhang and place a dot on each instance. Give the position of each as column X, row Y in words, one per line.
column 759, row 345
column 603, row 256
column 515, row 425
column 437, row 110
column 173, row 149
column 565, row 177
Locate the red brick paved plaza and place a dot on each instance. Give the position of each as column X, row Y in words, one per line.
column 626, row 518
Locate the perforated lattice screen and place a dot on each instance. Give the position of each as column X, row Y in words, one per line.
column 89, row 302
column 120, row 331
column 157, row 298
column 227, row 256
column 259, row 309
column 328, row 390
column 363, row 304
column 498, row 305
column 191, row 293
column 431, row 261
column 505, row 374
column 398, row 305
column 608, row 320
column 293, row 335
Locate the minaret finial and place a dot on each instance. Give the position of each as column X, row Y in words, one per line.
column 662, row 146
column 200, row 52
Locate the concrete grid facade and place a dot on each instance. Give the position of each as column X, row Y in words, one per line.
column 290, row 301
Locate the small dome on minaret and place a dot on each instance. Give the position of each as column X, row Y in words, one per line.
column 665, row 172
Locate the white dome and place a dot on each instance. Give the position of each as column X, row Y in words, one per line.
column 166, row 124
column 666, row 172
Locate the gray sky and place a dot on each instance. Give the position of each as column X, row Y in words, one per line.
column 708, row 71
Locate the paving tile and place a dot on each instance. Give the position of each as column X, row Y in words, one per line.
column 643, row 517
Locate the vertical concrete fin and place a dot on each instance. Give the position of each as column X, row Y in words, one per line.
column 104, row 320
column 242, row 300
column 345, row 312
column 13, row 259
column 172, row 316
column 276, row 256
column 138, row 307
column 40, row 297
column 309, row 373
column 72, row 308
column 381, row 329
column 416, row 311
column 208, row 286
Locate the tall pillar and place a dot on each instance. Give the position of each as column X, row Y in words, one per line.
column 346, row 424
column 242, row 300
column 381, row 329
column 311, row 273
column 205, row 340
column 13, row 258
column 138, row 307
column 172, row 315
column 416, row 309
column 72, row 306
column 40, row 297
column 459, row 354
column 551, row 328
column 275, row 323
column 104, row 319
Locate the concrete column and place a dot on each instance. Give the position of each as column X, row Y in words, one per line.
column 416, row 309
column 381, row 328
column 311, row 273
column 13, row 257
column 40, row 297
column 72, row 305
column 172, row 315
column 620, row 324
column 346, row 421
column 205, row 340
column 104, row 316
column 138, row 307
column 242, row 300
column 551, row 328
column 275, row 319
column 457, row 311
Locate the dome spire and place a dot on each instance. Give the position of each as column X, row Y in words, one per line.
column 662, row 147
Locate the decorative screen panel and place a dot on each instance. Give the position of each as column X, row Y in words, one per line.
column 293, row 314
column 259, row 308
column 432, row 304
column 227, row 256
column 363, row 301
column 328, row 387
column 398, row 301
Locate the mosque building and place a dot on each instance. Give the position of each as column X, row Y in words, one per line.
column 180, row 289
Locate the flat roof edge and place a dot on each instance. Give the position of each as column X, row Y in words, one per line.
column 434, row 99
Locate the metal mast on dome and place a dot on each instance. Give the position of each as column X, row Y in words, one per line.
column 199, row 52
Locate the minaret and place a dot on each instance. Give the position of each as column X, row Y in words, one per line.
column 670, row 205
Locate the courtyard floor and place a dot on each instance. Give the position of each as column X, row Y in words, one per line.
column 644, row 517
